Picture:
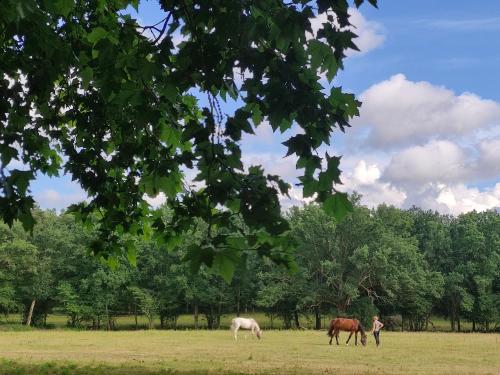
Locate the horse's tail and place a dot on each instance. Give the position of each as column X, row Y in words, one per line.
column 330, row 330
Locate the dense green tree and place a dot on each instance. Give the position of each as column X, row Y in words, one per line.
column 146, row 302
column 164, row 275
column 315, row 234
column 476, row 245
column 87, row 90
column 411, row 263
column 22, row 273
column 281, row 293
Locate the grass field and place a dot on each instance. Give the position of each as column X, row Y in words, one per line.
column 214, row 352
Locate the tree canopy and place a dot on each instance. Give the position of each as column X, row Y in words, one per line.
column 407, row 265
column 86, row 89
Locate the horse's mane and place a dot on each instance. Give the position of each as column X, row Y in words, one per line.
column 361, row 328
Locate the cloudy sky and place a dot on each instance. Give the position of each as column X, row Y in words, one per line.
column 429, row 129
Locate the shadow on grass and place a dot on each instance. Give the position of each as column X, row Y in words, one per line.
column 8, row 367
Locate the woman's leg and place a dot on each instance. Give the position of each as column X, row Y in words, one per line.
column 377, row 337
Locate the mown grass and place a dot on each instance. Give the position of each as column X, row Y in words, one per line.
column 214, row 352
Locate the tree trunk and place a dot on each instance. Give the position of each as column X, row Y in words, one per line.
column 196, row 314
column 135, row 316
column 219, row 313
column 238, row 298
column 458, row 323
column 317, row 314
column 108, row 322
column 287, row 321
column 296, row 318
column 30, row 313
column 473, row 326
column 162, row 321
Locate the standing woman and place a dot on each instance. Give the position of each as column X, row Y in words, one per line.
column 377, row 326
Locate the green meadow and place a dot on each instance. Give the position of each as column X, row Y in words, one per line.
column 212, row 352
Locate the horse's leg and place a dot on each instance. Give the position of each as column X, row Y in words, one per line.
column 356, row 338
column 337, row 336
column 331, row 338
column 350, row 335
column 236, row 333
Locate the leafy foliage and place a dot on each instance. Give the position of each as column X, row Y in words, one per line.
column 87, row 90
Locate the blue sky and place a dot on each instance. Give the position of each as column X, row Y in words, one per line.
column 429, row 130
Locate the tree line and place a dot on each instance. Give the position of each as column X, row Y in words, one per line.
column 405, row 265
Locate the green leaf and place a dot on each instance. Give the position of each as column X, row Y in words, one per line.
column 234, row 205
column 337, row 205
column 153, row 184
column 135, row 4
column 6, row 155
column 97, row 34
column 170, row 92
column 27, row 221
column 21, row 180
column 331, row 174
column 131, row 253
column 62, row 7
column 169, row 135
column 254, row 108
column 331, row 66
column 198, row 255
column 87, row 75
column 225, row 263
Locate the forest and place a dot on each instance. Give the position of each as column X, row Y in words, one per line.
column 410, row 264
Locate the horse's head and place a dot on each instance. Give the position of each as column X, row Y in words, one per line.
column 258, row 334
column 363, row 339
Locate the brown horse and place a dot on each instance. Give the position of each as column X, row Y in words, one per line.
column 349, row 325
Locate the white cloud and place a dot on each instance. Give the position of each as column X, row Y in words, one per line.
column 460, row 198
column 370, row 34
column 366, row 174
column 365, row 179
column 274, row 164
column 451, row 198
column 490, row 154
column 400, row 112
column 157, row 201
column 436, row 161
column 53, row 199
column 263, row 134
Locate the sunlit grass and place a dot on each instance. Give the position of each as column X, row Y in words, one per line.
column 282, row 352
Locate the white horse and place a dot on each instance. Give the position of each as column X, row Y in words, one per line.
column 245, row 323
